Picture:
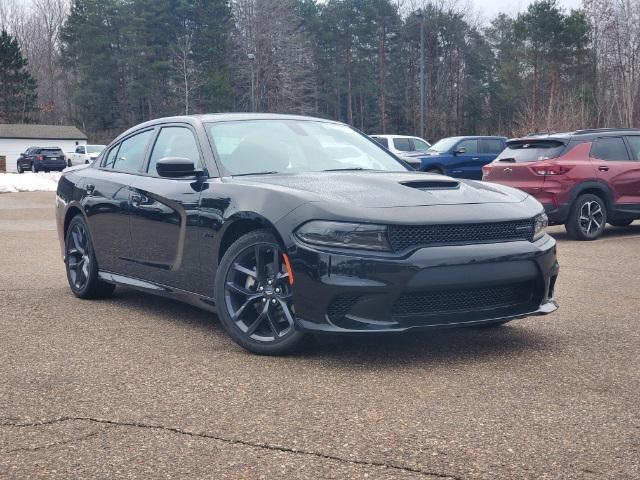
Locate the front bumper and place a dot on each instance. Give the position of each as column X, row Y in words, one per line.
column 433, row 287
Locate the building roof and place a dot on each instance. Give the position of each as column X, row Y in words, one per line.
column 41, row 132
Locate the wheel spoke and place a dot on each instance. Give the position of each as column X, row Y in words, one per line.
column 276, row 262
column 76, row 241
column 237, row 289
column 240, row 311
column 287, row 312
column 272, row 325
column 254, row 326
column 260, row 270
column 245, row 270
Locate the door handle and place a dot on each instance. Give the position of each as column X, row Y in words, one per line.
column 602, row 168
column 475, row 158
column 89, row 188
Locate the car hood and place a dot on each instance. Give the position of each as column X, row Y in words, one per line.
column 386, row 189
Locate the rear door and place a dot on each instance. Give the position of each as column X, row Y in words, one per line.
column 615, row 159
column 106, row 201
column 165, row 212
column 465, row 164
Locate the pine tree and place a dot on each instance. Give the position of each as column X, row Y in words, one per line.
column 17, row 87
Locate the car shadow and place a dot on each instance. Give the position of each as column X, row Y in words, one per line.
column 444, row 346
column 632, row 230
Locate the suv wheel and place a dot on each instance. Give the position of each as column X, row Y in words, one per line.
column 254, row 296
column 19, row 168
column 34, row 169
column 80, row 262
column 69, row 163
column 587, row 218
column 620, row 223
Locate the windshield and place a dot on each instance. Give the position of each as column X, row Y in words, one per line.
column 531, row 151
column 294, row 146
column 443, row 145
column 95, row 148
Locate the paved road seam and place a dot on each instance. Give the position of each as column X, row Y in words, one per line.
column 232, row 441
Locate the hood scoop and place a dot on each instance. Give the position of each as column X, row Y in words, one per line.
column 425, row 185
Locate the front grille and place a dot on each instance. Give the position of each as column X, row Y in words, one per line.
column 341, row 305
column 403, row 237
column 452, row 301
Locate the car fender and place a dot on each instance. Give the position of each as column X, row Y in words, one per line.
column 581, row 187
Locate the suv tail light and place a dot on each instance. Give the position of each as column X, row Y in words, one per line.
column 550, row 169
column 40, row 158
column 486, row 169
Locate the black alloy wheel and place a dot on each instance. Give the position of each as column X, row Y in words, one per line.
column 80, row 262
column 34, row 169
column 254, row 295
column 19, row 168
column 587, row 218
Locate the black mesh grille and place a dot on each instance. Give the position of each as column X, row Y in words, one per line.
column 451, row 301
column 341, row 305
column 403, row 237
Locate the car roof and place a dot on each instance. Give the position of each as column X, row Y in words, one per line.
column 393, row 136
column 586, row 134
column 475, row 137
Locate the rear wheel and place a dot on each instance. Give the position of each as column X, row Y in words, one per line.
column 254, row 296
column 69, row 163
column 620, row 223
column 34, row 169
column 587, row 218
column 80, row 262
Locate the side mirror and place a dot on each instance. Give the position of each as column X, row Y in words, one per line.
column 460, row 151
column 173, row 167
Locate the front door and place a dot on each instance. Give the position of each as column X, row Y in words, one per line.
column 465, row 160
column 164, row 214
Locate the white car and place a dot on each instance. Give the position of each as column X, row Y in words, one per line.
column 84, row 154
column 402, row 144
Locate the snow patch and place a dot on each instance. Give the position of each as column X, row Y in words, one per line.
column 29, row 182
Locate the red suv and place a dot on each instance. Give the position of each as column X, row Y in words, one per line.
column 584, row 178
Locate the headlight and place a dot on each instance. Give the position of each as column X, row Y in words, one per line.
column 540, row 224
column 345, row 235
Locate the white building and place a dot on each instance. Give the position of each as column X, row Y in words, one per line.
column 16, row 138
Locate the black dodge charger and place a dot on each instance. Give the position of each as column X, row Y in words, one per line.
column 288, row 226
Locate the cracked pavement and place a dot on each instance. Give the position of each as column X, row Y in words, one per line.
column 142, row 387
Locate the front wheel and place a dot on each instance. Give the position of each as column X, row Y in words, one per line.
column 254, row 296
column 587, row 218
column 34, row 169
column 19, row 168
column 81, row 264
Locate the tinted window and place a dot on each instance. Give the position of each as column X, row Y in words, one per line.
column 491, row 145
column 634, row 143
column 471, row 146
column 174, row 142
column 402, row 144
column 131, row 152
column 382, row 141
column 531, row 151
column 609, row 148
column 420, row 145
column 79, row 149
column 111, row 157
column 51, row 151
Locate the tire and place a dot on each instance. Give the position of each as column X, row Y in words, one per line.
column 251, row 312
column 69, row 164
column 19, row 168
column 620, row 223
column 587, row 218
column 34, row 169
column 80, row 262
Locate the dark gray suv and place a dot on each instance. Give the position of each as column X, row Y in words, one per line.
column 39, row 159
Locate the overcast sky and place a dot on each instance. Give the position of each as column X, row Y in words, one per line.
column 490, row 8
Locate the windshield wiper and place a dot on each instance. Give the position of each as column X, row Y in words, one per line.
column 346, row 169
column 272, row 172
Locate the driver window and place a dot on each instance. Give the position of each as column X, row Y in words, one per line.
column 174, row 142
column 470, row 146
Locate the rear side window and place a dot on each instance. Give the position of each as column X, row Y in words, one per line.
column 634, row 143
column 131, row 152
column 609, row 148
column 490, row 145
column 403, row 144
column 531, row 151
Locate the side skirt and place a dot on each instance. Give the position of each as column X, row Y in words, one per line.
column 200, row 301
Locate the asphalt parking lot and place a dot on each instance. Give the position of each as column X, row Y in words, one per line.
column 139, row 386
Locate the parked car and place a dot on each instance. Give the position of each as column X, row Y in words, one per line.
column 84, row 154
column 460, row 157
column 584, row 178
column 402, row 144
column 251, row 216
column 39, row 159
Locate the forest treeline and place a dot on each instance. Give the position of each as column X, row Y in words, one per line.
column 105, row 65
